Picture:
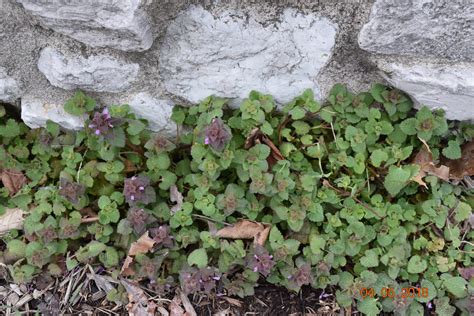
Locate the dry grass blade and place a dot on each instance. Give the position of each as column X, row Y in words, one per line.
column 12, row 219
column 246, row 229
column 187, row 305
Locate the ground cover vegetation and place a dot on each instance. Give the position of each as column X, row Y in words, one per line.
column 359, row 192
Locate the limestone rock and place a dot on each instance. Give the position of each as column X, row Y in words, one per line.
column 446, row 86
column 9, row 87
column 35, row 113
column 97, row 73
column 421, row 28
column 119, row 24
column 230, row 55
column 156, row 111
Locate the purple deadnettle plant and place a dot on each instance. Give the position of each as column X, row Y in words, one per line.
column 162, row 236
column 102, row 123
column 72, row 191
column 260, row 261
column 138, row 220
column 199, row 280
column 302, row 275
column 137, row 190
column 217, row 134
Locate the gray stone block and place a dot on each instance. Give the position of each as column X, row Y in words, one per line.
column 97, row 73
column 421, row 28
column 230, row 55
column 119, row 24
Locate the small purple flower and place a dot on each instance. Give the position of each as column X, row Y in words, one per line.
column 199, row 280
column 137, row 189
column 261, row 261
column 429, row 305
column 72, row 191
column 217, row 135
column 102, row 123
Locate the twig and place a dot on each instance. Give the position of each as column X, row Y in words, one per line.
column 210, row 219
column 89, row 219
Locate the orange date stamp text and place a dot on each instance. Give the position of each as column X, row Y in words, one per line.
column 389, row 292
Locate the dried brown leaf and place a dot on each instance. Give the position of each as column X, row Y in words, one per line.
column 246, row 229
column 13, row 180
column 142, row 245
column 175, row 306
column 176, row 197
column 424, row 159
column 257, row 137
column 138, row 304
column 12, row 219
column 464, row 166
column 126, row 269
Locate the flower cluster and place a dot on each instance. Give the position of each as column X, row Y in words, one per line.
column 260, row 261
column 72, row 191
column 302, row 275
column 137, row 189
column 162, row 236
column 199, row 280
column 137, row 218
column 217, row 135
column 101, row 123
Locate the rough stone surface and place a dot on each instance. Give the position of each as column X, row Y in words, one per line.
column 9, row 87
column 156, row 110
column 230, row 55
column 96, row 73
column 421, row 28
column 450, row 87
column 119, row 24
column 35, row 113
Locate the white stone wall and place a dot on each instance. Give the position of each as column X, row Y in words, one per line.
column 151, row 54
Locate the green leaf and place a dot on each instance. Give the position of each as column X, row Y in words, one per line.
column 456, row 286
column 316, row 243
column 16, row 247
column 79, row 104
column 316, row 213
column 368, row 306
column 462, row 211
column 95, row 248
column 453, row 151
column 198, row 257
column 297, row 113
column 432, row 292
column 135, row 127
column 370, row 259
column 408, row 126
column 10, row 129
column 377, row 157
column 416, row 265
column 396, row 179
